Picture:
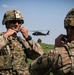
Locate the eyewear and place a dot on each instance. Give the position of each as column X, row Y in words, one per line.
column 15, row 21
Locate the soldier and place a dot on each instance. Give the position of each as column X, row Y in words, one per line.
column 63, row 39
column 60, row 60
column 14, row 50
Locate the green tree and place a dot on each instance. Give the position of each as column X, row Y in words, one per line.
column 39, row 40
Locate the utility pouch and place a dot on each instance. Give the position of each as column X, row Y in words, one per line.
column 5, row 62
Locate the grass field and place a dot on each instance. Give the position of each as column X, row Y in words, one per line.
column 46, row 47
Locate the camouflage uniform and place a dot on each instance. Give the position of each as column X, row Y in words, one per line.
column 15, row 51
column 60, row 60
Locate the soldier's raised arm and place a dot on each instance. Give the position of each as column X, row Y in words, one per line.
column 31, row 48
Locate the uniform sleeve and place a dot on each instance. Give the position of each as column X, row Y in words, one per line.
column 36, row 47
column 44, row 64
column 34, row 50
column 31, row 48
column 3, row 41
column 41, row 66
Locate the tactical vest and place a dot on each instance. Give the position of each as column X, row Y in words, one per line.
column 70, row 48
column 64, row 60
column 6, row 57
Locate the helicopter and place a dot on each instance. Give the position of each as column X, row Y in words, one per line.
column 38, row 33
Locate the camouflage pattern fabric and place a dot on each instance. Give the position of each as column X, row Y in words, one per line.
column 18, row 52
column 59, row 61
column 70, row 48
column 13, row 15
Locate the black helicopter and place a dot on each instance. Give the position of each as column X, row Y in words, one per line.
column 38, row 33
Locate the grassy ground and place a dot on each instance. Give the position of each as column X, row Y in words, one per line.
column 46, row 47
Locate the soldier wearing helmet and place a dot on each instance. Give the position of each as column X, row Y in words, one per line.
column 14, row 50
column 69, row 26
column 60, row 60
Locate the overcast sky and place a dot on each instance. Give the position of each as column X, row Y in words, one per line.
column 40, row 15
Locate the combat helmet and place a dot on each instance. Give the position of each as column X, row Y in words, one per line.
column 69, row 19
column 12, row 15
